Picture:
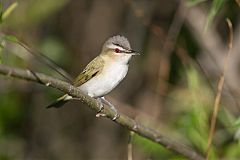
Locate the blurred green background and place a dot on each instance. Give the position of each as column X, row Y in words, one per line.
column 170, row 87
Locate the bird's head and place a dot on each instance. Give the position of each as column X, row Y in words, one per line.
column 118, row 48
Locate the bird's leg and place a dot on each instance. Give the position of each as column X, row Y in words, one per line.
column 101, row 107
column 100, row 104
column 112, row 108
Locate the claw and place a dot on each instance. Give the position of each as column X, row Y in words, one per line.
column 111, row 107
column 100, row 105
column 100, row 115
column 116, row 116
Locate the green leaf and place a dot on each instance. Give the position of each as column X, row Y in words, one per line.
column 232, row 151
column 237, row 123
column 216, row 6
column 193, row 78
column 11, row 38
column 191, row 3
column 9, row 10
column 1, row 47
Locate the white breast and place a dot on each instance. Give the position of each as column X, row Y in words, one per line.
column 103, row 83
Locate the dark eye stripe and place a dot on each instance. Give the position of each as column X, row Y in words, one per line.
column 119, row 45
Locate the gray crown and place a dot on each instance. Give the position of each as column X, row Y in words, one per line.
column 120, row 41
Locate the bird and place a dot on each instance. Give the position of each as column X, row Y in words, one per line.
column 103, row 73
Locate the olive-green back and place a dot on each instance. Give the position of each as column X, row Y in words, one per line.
column 92, row 69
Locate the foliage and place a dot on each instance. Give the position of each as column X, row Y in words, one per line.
column 215, row 8
column 187, row 104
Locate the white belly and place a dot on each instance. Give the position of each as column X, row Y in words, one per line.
column 102, row 84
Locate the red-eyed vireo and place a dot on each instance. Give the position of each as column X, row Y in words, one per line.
column 104, row 72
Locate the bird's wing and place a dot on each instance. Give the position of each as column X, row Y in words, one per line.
column 94, row 68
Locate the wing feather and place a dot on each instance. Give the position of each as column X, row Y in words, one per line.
column 94, row 68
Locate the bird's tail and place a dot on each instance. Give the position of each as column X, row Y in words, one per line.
column 60, row 101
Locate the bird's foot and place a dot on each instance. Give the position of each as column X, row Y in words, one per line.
column 101, row 107
column 116, row 116
column 100, row 115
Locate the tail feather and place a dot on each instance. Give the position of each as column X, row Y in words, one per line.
column 60, row 101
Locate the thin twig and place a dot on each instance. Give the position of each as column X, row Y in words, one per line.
column 47, row 61
column 219, row 90
column 130, row 146
column 123, row 120
column 43, row 59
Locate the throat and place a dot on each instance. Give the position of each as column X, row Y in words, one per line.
column 123, row 59
column 120, row 59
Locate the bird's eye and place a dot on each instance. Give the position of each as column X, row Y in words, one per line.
column 117, row 50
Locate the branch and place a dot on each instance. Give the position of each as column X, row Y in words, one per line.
column 219, row 89
column 123, row 120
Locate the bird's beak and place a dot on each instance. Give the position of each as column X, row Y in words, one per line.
column 132, row 52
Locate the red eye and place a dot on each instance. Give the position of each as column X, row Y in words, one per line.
column 117, row 50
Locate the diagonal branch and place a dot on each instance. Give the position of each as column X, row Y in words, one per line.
column 123, row 120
